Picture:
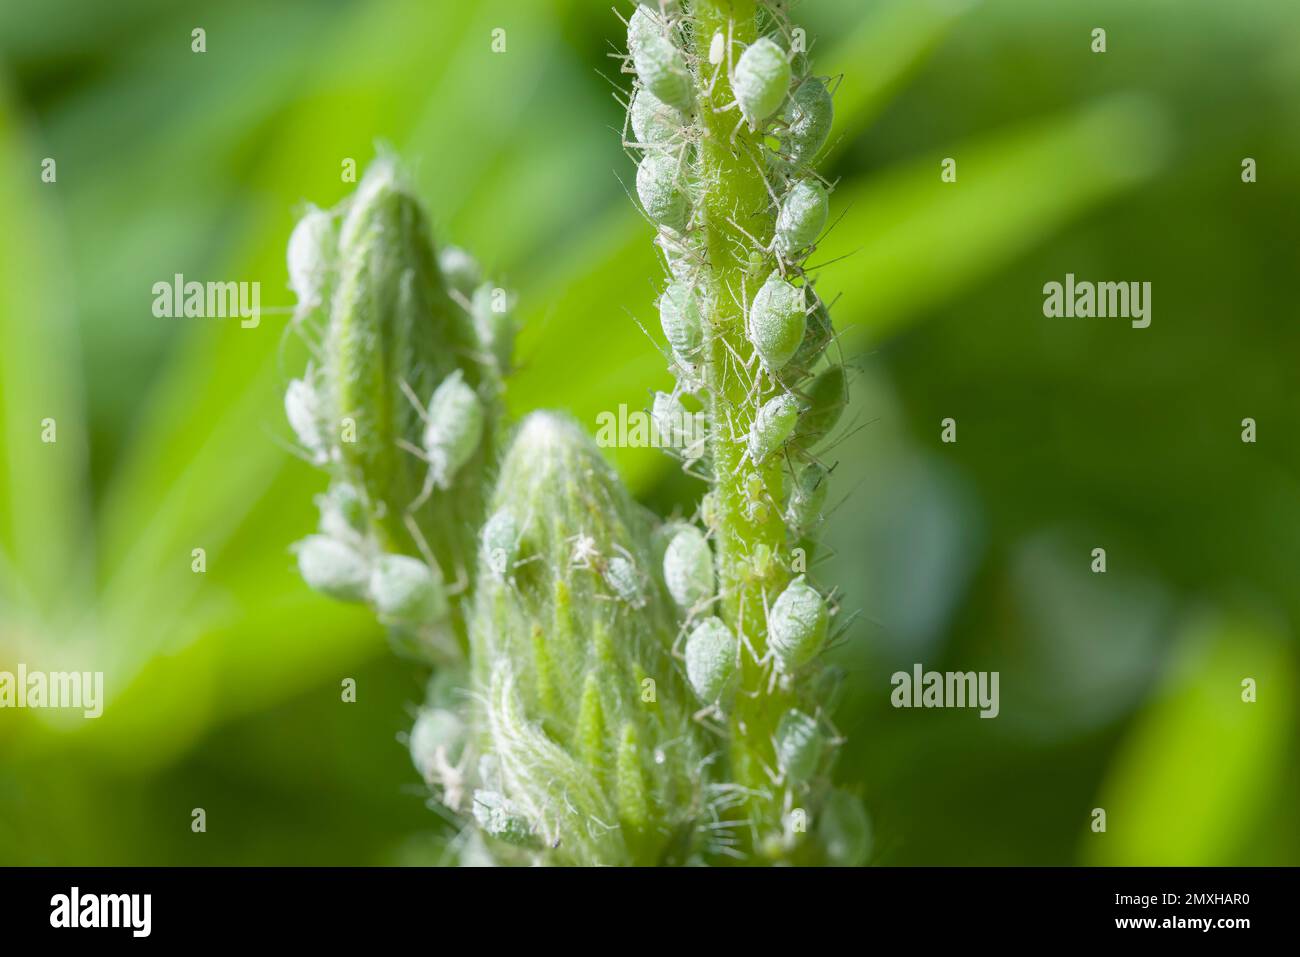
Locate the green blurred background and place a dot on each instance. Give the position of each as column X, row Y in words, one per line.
column 1119, row 691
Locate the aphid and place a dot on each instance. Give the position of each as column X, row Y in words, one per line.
column 681, row 318
column 807, row 118
column 460, row 270
column 654, row 122
column 501, row 818
column 844, row 830
column 808, row 495
column 777, row 322
column 774, row 423
column 817, row 335
column 302, row 409
column 688, row 567
column 678, row 428
column 501, row 543
column 827, row 397
column 453, row 429
column 711, row 651
column 661, row 193
column 761, row 80
column 796, row 625
column 342, row 512
column 406, row 591
column 333, row 568
column 658, row 62
column 312, row 249
column 492, row 311
column 717, row 48
column 436, row 741
column 802, row 216
column 798, row 745
column 620, row 574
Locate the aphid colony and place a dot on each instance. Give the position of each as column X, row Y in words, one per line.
column 679, row 56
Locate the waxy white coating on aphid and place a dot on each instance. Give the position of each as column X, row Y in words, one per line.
column 761, row 81
column 688, row 567
column 775, row 421
column 796, row 625
column 807, row 497
column 682, row 319
column 807, row 117
column 302, row 409
column 659, row 64
column 798, row 745
column 460, row 270
column 492, row 311
column 454, row 428
column 776, row 322
column 802, row 216
column 405, row 590
column 844, row 830
column 500, row 538
column 437, row 739
column 333, row 568
column 659, row 187
column 654, row 122
column 311, row 252
column 621, row 576
column 711, row 659
column 342, row 512
column 501, row 818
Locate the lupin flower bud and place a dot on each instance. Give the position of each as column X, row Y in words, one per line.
column 802, row 216
column 454, row 429
column 796, row 625
column 807, row 119
column 844, row 830
column 302, row 409
column 333, row 568
column 761, row 81
column 460, row 270
column 311, row 253
column 798, row 745
column 659, row 64
column 568, row 647
column 826, row 399
column 405, row 591
column 395, row 332
column 688, row 567
column 681, row 318
column 711, row 651
column 658, row 184
column 776, row 322
column 774, row 423
column 803, row 510
column 655, row 124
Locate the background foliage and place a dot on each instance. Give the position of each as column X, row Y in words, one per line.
column 1119, row 691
